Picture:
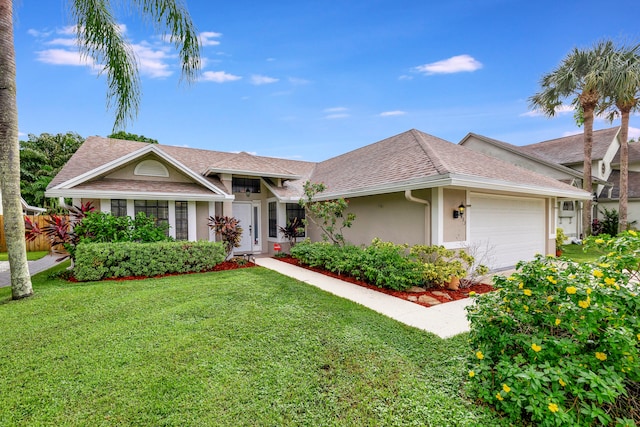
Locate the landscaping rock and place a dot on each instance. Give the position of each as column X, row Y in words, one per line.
column 412, row 298
column 415, row 289
column 443, row 295
column 426, row 299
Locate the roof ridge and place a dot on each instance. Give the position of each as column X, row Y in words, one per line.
column 440, row 165
column 570, row 136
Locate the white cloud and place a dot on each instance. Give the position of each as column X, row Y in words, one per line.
column 62, row 57
column 152, row 62
column 207, row 38
column 62, row 42
column 405, row 77
column 572, row 132
column 219, row 77
column 561, row 109
column 336, row 116
column 634, row 133
column 455, row 64
column 258, row 80
column 392, row 113
column 37, row 33
column 335, row 109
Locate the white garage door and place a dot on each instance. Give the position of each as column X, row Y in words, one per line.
column 505, row 230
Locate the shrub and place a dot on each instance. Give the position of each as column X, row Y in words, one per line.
column 228, row 230
column 439, row 264
column 557, row 345
column 97, row 261
column 104, row 227
column 560, row 238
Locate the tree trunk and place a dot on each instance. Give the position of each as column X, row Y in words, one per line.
column 10, row 159
column 587, row 184
column 624, row 167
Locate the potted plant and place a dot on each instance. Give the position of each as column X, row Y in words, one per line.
column 560, row 238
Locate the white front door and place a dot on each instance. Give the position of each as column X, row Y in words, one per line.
column 243, row 213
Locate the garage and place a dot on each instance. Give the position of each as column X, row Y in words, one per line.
column 505, row 230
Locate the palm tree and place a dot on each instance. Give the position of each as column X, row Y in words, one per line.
column 623, row 85
column 579, row 77
column 99, row 39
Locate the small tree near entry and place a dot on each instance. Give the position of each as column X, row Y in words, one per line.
column 328, row 215
column 293, row 230
column 228, row 230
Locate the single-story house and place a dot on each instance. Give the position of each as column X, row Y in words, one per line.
column 562, row 159
column 27, row 209
column 411, row 188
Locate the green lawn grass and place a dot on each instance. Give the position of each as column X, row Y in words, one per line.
column 31, row 256
column 246, row 347
column 578, row 254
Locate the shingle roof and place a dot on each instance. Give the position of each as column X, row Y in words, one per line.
column 633, row 189
column 570, row 149
column 634, row 154
column 408, row 157
column 413, row 155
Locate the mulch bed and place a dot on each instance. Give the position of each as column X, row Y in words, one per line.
column 441, row 294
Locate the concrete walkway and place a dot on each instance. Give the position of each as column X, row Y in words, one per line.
column 35, row 267
column 444, row 320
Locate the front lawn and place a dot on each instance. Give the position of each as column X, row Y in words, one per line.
column 577, row 253
column 236, row 348
column 31, row 256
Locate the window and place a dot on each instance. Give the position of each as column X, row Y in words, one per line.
column 294, row 211
column 241, row 185
column 118, row 207
column 567, row 206
column 159, row 209
column 182, row 221
column 151, row 168
column 273, row 220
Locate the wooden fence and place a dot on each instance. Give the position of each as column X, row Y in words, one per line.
column 41, row 243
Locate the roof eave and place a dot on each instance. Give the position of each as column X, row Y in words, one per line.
column 140, row 195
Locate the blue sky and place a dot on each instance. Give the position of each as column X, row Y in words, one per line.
column 313, row 79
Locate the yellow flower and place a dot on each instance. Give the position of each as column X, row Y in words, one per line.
column 527, row 292
column 562, row 383
column 553, row 407
column 472, row 293
column 601, row 356
column 584, row 303
column 511, row 278
column 558, row 322
column 572, row 276
column 526, row 307
column 599, row 241
column 638, row 336
column 633, row 233
column 571, row 290
column 609, row 281
column 506, row 388
column 520, row 285
column 549, row 298
column 536, row 347
column 472, row 374
column 479, row 355
column 552, row 280
column 604, row 265
column 598, row 273
column 589, row 291
column 499, row 396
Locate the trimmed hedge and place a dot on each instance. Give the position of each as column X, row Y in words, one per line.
column 97, row 261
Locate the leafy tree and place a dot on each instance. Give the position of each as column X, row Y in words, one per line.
column 326, row 213
column 580, row 77
column 100, row 39
column 623, row 85
column 132, row 137
column 228, row 230
column 41, row 158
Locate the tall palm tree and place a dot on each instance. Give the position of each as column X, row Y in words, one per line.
column 580, row 78
column 99, row 39
column 623, row 86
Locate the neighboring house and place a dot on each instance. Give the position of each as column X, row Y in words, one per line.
column 26, row 208
column 562, row 159
column 407, row 189
column 609, row 198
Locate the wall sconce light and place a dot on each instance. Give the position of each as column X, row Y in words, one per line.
column 459, row 213
column 247, row 192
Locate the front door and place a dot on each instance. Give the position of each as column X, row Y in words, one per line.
column 243, row 213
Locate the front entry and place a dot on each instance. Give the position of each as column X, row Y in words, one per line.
column 243, row 212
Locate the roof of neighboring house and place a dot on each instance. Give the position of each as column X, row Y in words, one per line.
column 570, row 149
column 410, row 160
column 633, row 189
column 634, row 154
column 524, row 153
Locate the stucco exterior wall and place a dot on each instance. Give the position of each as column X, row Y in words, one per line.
column 389, row 217
column 202, row 219
column 455, row 229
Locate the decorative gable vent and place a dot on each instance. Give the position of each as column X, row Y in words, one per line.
column 151, row 168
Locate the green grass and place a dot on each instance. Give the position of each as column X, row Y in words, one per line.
column 576, row 253
column 247, row 347
column 31, row 256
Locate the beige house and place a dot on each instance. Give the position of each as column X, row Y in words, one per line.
column 411, row 188
column 562, row 159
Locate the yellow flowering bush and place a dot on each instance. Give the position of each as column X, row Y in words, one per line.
column 567, row 351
